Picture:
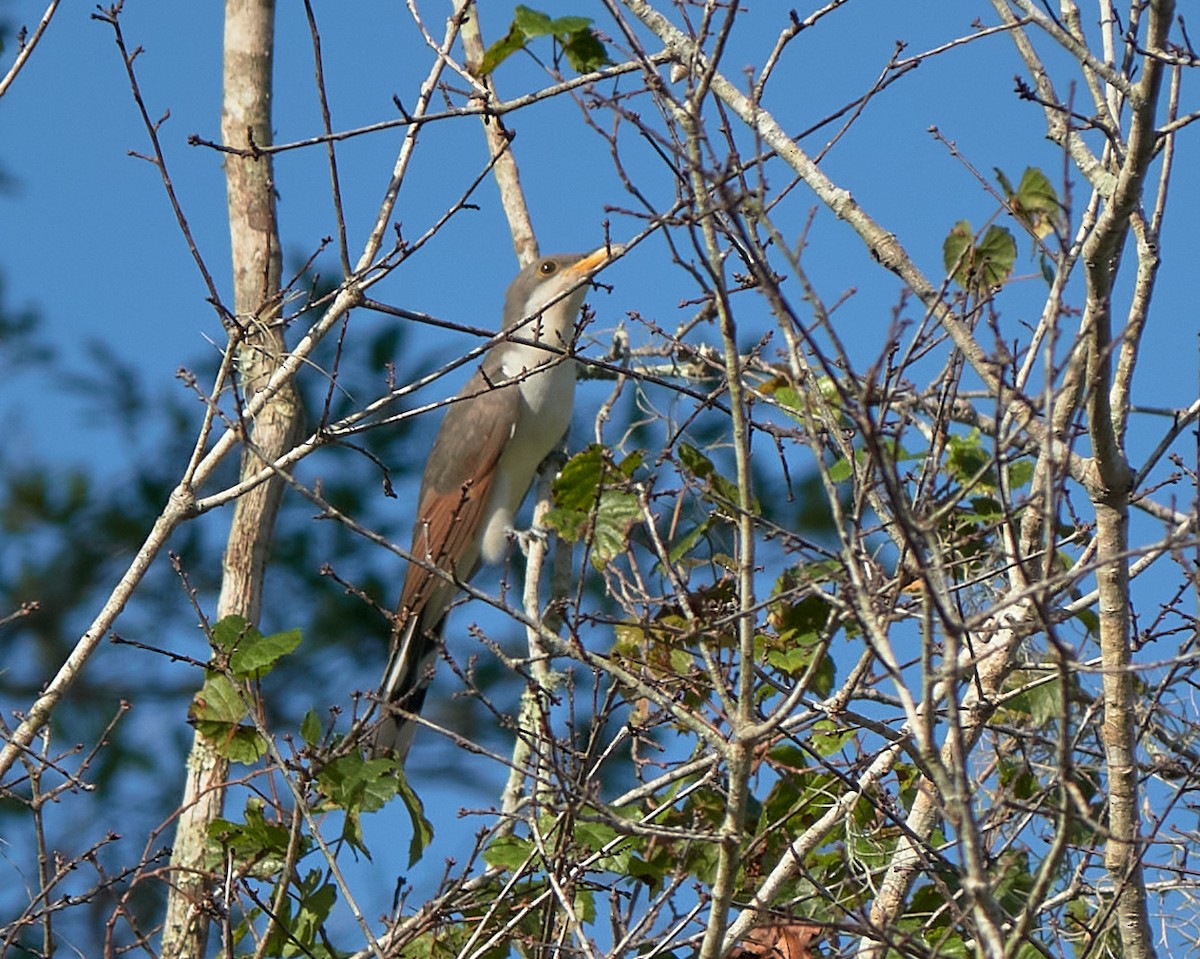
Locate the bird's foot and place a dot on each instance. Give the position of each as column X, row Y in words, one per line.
column 526, row 539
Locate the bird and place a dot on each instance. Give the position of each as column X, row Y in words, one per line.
column 495, row 434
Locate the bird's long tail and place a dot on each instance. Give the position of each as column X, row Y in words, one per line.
column 409, row 671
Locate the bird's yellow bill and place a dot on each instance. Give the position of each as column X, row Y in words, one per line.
column 591, row 261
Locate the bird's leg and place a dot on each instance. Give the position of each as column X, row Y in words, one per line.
column 525, row 538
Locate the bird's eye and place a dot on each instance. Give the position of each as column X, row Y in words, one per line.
column 548, row 268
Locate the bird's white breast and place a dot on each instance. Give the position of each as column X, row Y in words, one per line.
column 546, row 382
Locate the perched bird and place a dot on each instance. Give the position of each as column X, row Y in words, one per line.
column 495, row 434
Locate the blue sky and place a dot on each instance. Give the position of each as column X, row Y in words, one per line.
column 87, row 238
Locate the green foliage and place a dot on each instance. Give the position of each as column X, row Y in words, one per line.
column 250, row 654
column 971, row 463
column 968, row 462
column 1034, row 202
column 1012, row 880
column 357, row 785
column 842, row 471
column 668, row 647
column 218, row 711
column 451, row 940
column 299, row 929
column 1020, row 473
column 718, row 490
column 310, row 728
column 267, row 850
column 974, row 504
column 595, row 500
column 422, row 829
column 258, row 849
column 685, row 543
column 979, row 266
column 354, row 783
column 801, row 628
column 1041, row 699
column 1018, row 779
column 243, row 655
column 574, row 35
column 255, row 847
column 509, row 852
column 349, row 782
column 828, row 737
column 801, row 796
column 931, row 924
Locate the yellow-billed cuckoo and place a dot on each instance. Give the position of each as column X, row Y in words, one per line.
column 495, row 434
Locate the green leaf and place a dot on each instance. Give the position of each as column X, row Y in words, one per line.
column 565, row 25
column 1020, row 473
column 584, row 51
column 1015, row 880
column 792, row 661
column 229, row 632
column 533, row 23
column 310, row 728
column 978, row 267
column 1005, row 183
column 615, row 516
column 892, row 452
column 257, row 847
column 243, row 745
column 217, row 712
column 1047, row 268
column 593, row 499
column 956, row 251
column 721, row 490
column 1041, row 702
column 356, row 784
column 995, row 256
column 802, row 621
column 257, row 654
column 422, row 828
column 501, row 50
column 1018, row 779
column 788, row 757
column 649, row 871
column 685, row 543
column 841, row 471
column 251, row 654
column 795, row 662
column 218, row 701
column 789, row 399
column 987, row 509
column 1090, row 621
column 594, row 836
column 575, row 486
column 508, row 852
column 299, row 931
column 1035, row 203
column 968, row 462
column 828, row 737
column 585, row 905
column 1036, row 192
column 795, row 802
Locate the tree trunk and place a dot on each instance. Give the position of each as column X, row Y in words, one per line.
column 257, row 335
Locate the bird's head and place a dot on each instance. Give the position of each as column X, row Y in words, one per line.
column 545, row 298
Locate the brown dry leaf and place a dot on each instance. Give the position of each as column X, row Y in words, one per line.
column 779, row 940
